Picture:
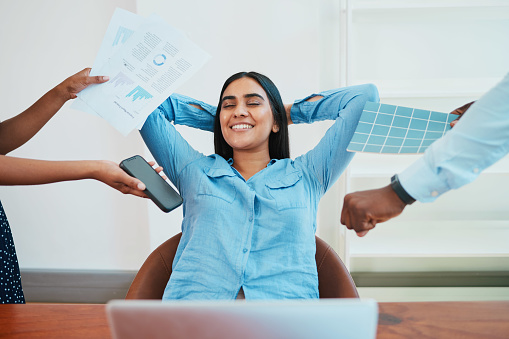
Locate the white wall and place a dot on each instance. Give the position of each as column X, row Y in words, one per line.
column 82, row 225
column 86, row 224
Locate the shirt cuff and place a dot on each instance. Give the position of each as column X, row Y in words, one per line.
column 420, row 182
column 305, row 112
column 178, row 108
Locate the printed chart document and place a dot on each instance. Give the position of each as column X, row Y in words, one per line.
column 152, row 62
column 393, row 129
column 122, row 25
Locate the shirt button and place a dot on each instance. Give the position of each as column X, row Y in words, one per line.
column 434, row 193
column 475, row 170
column 244, row 250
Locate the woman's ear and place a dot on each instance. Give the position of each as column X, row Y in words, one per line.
column 275, row 128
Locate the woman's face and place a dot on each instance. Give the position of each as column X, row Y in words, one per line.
column 246, row 116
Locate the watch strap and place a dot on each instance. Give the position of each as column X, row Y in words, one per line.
column 400, row 191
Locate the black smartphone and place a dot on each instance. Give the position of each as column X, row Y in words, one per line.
column 158, row 190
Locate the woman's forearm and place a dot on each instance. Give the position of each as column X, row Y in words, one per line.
column 18, row 130
column 18, row 171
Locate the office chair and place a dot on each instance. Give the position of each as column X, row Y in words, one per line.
column 334, row 280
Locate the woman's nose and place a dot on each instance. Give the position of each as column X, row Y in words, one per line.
column 241, row 111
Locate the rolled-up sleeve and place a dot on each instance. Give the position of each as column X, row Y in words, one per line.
column 330, row 158
column 169, row 148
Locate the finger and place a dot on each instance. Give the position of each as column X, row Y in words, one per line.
column 345, row 212
column 363, row 225
column 138, row 193
column 131, row 182
column 97, row 79
column 343, row 215
column 362, row 233
column 152, row 163
column 457, row 111
column 158, row 169
column 454, row 122
column 461, row 110
column 86, row 71
column 137, row 185
column 465, row 107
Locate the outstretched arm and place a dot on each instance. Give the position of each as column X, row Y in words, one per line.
column 16, row 171
column 18, row 130
column 477, row 141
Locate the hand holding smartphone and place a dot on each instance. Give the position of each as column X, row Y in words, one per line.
column 158, row 190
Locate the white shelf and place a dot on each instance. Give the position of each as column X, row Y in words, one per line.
column 434, row 238
column 419, row 4
column 373, row 165
column 430, row 262
column 431, row 88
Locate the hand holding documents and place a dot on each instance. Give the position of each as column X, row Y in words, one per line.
column 392, row 129
column 146, row 60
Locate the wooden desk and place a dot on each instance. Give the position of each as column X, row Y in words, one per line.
column 487, row 320
column 480, row 320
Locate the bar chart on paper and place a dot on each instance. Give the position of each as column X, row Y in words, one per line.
column 138, row 94
column 393, row 129
column 127, row 93
column 123, row 33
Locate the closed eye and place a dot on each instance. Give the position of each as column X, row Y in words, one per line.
column 227, row 105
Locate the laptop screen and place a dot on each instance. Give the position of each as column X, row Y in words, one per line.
column 295, row 319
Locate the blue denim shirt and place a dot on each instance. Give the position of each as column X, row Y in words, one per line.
column 256, row 234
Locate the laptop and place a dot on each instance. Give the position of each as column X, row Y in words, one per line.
column 244, row 319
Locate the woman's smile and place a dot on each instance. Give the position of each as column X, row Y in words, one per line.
column 246, row 116
column 241, row 127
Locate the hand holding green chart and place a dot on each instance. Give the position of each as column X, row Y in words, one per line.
column 146, row 60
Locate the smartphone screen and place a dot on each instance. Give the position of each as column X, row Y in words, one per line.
column 157, row 189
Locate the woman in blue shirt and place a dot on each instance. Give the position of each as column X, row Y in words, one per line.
column 249, row 210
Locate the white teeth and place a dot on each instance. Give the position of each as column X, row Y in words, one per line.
column 242, row 126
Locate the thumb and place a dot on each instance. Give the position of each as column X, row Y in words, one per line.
column 137, row 185
column 362, row 233
column 98, row 79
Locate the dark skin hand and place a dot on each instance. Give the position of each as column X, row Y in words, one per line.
column 460, row 111
column 363, row 210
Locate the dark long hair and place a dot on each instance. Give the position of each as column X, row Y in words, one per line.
column 279, row 146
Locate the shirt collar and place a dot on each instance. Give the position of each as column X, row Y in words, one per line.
column 271, row 162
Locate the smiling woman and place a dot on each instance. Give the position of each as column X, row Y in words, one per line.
column 251, row 124
column 250, row 210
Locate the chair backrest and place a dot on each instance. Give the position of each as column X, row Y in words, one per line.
column 334, row 280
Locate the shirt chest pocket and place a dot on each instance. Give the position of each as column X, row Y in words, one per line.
column 218, row 183
column 288, row 192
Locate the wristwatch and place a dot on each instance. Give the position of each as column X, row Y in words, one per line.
column 400, row 191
